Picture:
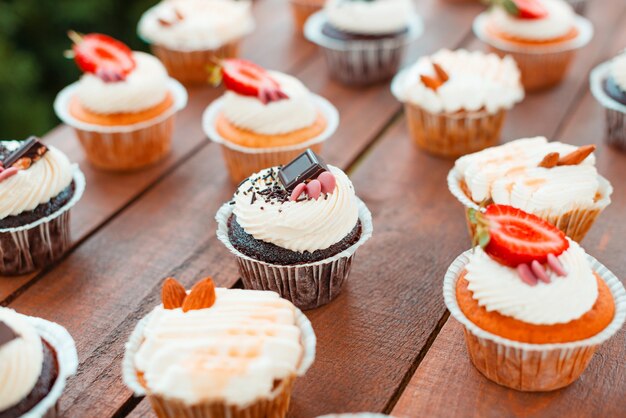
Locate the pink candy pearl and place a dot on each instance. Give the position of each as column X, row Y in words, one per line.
column 556, row 265
column 295, row 194
column 328, row 182
column 314, row 189
column 539, row 271
column 526, row 274
column 9, row 172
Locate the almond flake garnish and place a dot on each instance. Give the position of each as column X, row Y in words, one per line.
column 550, row 160
column 578, row 156
column 440, row 78
column 173, row 294
column 202, row 296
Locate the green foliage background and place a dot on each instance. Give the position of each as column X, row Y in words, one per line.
column 33, row 36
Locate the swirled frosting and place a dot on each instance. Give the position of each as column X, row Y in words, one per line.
column 144, row 87
column 232, row 352
column 307, row 225
column 509, row 174
column 376, row 17
column 618, row 71
column 557, row 23
column 38, row 184
column 296, row 112
column 476, row 81
column 21, row 360
column 499, row 288
column 194, row 25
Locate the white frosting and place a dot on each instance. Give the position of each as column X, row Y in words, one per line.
column 144, row 87
column 21, row 360
column 558, row 22
column 476, row 81
column 38, row 184
column 618, row 70
column 275, row 118
column 509, row 174
column 369, row 17
column 499, row 288
column 308, row 225
column 206, row 24
column 231, row 352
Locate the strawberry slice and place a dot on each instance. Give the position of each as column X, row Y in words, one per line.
column 517, row 237
column 530, row 9
column 248, row 79
column 99, row 54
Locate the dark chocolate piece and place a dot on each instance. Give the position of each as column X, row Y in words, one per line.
column 30, row 151
column 6, row 334
column 306, row 166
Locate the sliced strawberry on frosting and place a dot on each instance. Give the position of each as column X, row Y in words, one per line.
column 524, row 9
column 249, row 79
column 99, row 54
column 513, row 237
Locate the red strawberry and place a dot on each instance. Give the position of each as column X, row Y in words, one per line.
column 248, row 79
column 102, row 55
column 530, row 9
column 516, row 237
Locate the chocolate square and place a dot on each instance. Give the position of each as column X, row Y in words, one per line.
column 29, row 152
column 6, row 334
column 306, row 166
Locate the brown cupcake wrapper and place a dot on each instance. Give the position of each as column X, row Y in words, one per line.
column 302, row 9
column 34, row 246
column 308, row 286
column 531, row 367
column 615, row 112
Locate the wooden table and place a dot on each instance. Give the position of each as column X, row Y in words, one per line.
column 386, row 344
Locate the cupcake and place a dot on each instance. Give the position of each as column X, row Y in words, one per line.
column 295, row 230
column 302, row 9
column 542, row 35
column 364, row 41
column 608, row 85
column 218, row 353
column 456, row 101
column 36, row 358
column 124, row 105
column 555, row 181
column 534, row 305
column 38, row 187
column 265, row 118
column 190, row 35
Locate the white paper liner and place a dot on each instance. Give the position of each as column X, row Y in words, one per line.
column 129, row 373
column 585, row 34
column 307, row 286
column 62, row 107
column 615, row 286
column 596, row 79
column 212, row 112
column 67, row 359
column 315, row 23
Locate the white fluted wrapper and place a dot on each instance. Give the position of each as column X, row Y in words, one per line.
column 363, row 61
column 26, row 248
column 67, row 359
column 615, row 111
column 307, row 286
column 531, row 367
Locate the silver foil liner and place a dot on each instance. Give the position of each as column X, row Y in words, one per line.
column 364, row 61
column 531, row 367
column 308, row 286
column 615, row 111
column 30, row 247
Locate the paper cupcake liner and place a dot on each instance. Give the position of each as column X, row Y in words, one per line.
column 244, row 161
column 128, row 147
column 30, row 247
column 307, row 286
column 541, row 66
column 192, row 67
column 575, row 223
column 302, row 9
column 361, row 62
column 531, row 367
column 67, row 359
column 275, row 405
column 615, row 111
column 454, row 135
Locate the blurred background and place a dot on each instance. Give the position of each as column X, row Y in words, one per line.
column 33, row 37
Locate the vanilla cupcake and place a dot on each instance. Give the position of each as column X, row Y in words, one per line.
column 555, row 181
column 608, row 85
column 219, row 352
column 456, row 101
column 123, row 107
column 295, row 230
column 191, row 35
column 534, row 305
column 364, row 41
column 36, row 358
column 542, row 35
column 265, row 118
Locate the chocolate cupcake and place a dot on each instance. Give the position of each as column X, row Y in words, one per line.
column 295, row 229
column 608, row 85
column 35, row 357
column 364, row 41
column 38, row 187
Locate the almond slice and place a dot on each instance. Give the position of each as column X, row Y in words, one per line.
column 430, row 82
column 578, row 156
column 202, row 296
column 550, row 160
column 441, row 74
column 173, row 294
